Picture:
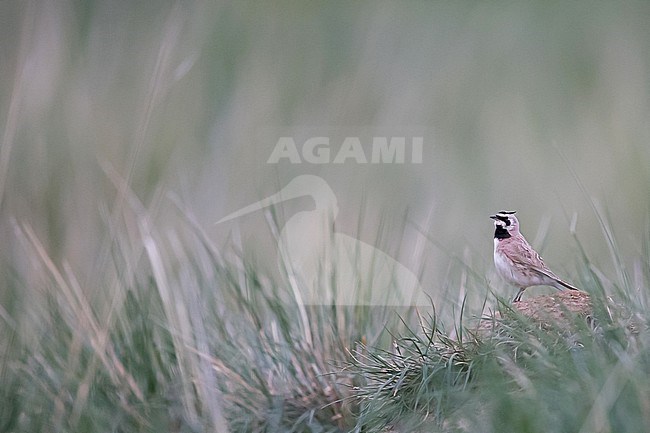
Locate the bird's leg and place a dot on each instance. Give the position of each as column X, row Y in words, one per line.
column 518, row 295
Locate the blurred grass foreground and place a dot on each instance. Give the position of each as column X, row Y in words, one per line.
column 129, row 128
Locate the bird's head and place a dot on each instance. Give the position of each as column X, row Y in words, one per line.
column 505, row 224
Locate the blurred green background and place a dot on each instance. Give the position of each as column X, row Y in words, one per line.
column 129, row 128
column 190, row 98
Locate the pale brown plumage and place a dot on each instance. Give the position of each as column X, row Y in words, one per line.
column 516, row 261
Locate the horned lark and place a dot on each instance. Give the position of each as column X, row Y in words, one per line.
column 516, row 261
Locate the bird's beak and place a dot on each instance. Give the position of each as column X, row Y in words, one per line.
column 269, row 201
column 494, row 217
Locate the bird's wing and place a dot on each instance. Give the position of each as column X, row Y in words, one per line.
column 522, row 254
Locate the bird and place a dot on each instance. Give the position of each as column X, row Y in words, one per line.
column 515, row 259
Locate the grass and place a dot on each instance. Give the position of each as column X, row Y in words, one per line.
column 178, row 337
column 521, row 378
column 585, row 376
column 119, row 312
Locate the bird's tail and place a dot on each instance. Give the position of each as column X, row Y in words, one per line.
column 561, row 285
